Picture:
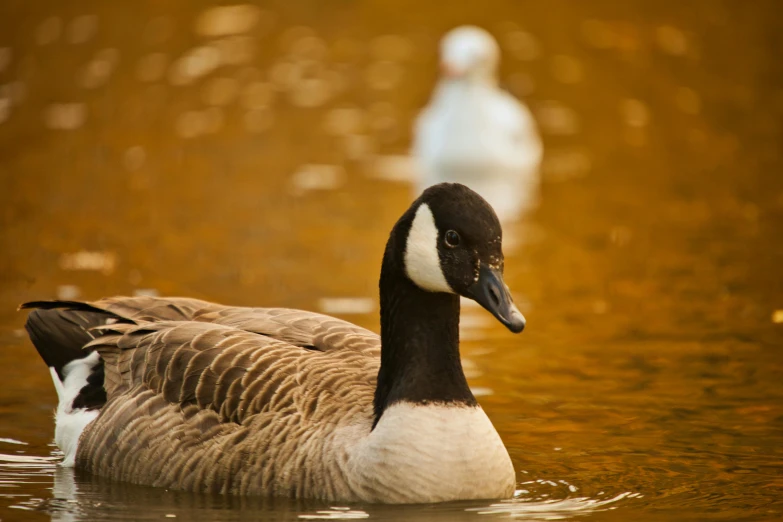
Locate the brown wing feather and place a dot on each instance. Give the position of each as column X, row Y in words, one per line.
column 214, row 365
column 253, row 392
column 297, row 327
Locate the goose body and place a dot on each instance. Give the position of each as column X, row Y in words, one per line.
column 191, row 395
column 473, row 132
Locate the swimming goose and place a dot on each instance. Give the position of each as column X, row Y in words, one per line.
column 475, row 133
column 190, row 395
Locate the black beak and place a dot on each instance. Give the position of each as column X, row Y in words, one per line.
column 492, row 293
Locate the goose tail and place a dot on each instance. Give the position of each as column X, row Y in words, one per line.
column 59, row 331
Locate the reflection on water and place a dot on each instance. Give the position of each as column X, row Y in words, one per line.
column 258, row 155
column 73, row 497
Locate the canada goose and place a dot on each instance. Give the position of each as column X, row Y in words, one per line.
column 191, row 395
column 475, row 133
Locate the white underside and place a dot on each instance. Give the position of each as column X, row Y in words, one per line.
column 432, row 453
column 70, row 422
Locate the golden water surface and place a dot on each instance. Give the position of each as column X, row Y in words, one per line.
column 256, row 155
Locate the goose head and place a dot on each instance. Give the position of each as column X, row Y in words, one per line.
column 469, row 52
column 454, row 246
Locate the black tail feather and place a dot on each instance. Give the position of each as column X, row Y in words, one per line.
column 60, row 329
column 93, row 395
column 65, row 305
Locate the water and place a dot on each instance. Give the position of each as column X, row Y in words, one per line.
column 248, row 157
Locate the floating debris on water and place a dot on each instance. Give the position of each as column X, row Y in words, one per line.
column 258, row 120
column 68, row 292
column 634, row 112
column 671, row 40
column 7, row 440
column 471, row 369
column 566, row 163
column 227, row 20
column 557, row 119
column 14, row 91
column 473, row 323
column 236, row 50
column 5, row 109
column 471, row 320
column 384, row 120
column 309, row 47
column 191, row 124
column 393, row 167
column 520, row 84
column 317, row 177
column 82, row 29
column 134, row 158
column 336, row 514
column 194, row 64
column 480, row 391
column 688, row 100
column 146, row 292
column 49, row 30
column 5, row 58
column 158, row 30
column 220, row 91
column 152, row 67
column 290, row 36
column 383, row 75
column 521, row 45
column 284, row 74
column 598, row 34
column 258, row 95
column 636, row 136
column 345, row 49
column 89, row 260
column 343, row 121
column 620, row 235
column 550, row 509
column 310, row 92
column 134, row 277
column 391, row 47
column 65, row 116
column 346, row 305
column 97, row 72
column 358, row 147
column 566, row 69
column 10, row 94
column 600, row 307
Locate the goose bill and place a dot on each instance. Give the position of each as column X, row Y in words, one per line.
column 492, row 293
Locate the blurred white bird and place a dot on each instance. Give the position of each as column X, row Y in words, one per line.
column 473, row 132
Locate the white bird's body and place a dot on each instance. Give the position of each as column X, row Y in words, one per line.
column 474, row 133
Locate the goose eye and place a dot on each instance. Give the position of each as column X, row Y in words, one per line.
column 452, row 239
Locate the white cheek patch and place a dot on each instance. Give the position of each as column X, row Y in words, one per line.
column 422, row 263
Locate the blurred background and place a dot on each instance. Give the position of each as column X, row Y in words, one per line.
column 258, row 154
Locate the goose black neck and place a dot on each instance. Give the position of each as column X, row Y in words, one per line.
column 420, row 360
